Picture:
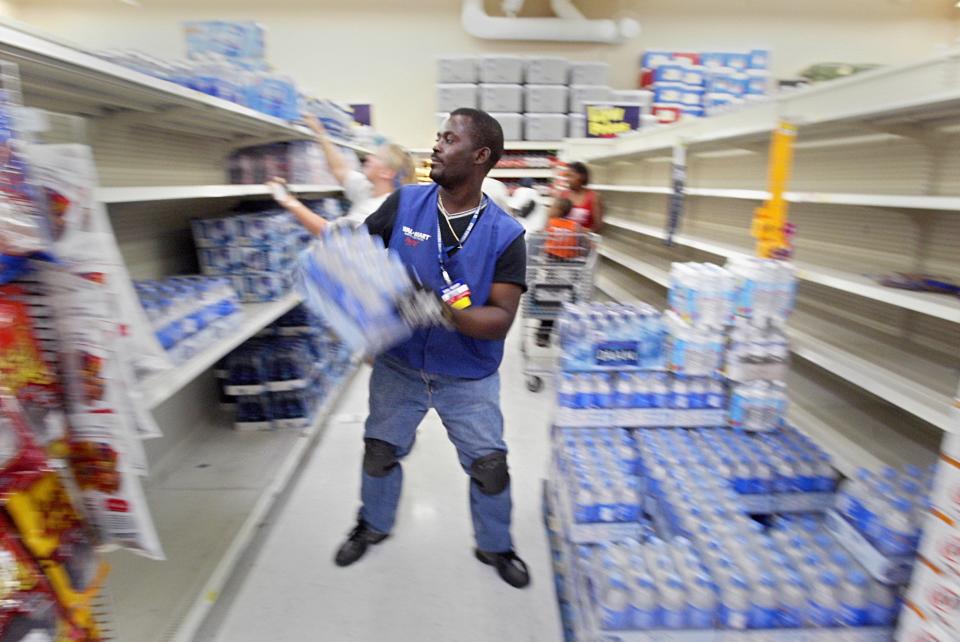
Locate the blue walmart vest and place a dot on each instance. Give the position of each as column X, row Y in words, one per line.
column 437, row 350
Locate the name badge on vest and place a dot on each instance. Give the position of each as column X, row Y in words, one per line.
column 456, row 295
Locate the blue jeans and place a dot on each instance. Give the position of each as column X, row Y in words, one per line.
column 470, row 411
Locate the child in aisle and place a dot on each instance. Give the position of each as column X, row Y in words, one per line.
column 563, row 242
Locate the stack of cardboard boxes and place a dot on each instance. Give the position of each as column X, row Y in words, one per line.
column 534, row 99
column 932, row 607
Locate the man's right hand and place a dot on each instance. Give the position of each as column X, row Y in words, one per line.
column 281, row 193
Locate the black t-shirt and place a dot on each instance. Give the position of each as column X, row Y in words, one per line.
column 511, row 266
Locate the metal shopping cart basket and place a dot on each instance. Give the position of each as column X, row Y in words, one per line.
column 560, row 268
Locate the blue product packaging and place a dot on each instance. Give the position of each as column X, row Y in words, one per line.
column 261, row 258
column 759, row 59
column 217, row 261
column 737, row 60
column 230, row 39
column 668, row 92
column 694, row 76
column 692, row 97
column 246, row 371
column 693, row 112
column 655, row 59
column 213, row 232
column 713, row 59
column 265, row 286
column 252, row 413
column 290, row 409
column 758, row 83
column 670, row 73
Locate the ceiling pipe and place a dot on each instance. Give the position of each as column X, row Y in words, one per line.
column 570, row 27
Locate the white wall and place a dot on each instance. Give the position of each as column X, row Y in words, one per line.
column 383, row 51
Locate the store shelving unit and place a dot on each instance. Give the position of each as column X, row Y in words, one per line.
column 114, row 195
column 253, row 317
column 208, row 496
column 875, row 189
column 161, row 153
column 521, row 173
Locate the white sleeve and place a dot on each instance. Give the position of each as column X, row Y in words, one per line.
column 357, row 188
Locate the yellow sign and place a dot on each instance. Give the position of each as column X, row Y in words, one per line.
column 770, row 220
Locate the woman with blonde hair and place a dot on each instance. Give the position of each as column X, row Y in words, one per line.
column 384, row 171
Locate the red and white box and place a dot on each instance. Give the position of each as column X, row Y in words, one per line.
column 941, row 547
column 937, row 597
column 915, row 628
column 667, row 114
column 945, row 497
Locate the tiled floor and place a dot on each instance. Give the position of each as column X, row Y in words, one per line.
column 421, row 584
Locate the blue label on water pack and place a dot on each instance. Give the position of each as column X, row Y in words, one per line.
column 617, row 354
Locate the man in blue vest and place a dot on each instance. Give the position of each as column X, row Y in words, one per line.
column 463, row 246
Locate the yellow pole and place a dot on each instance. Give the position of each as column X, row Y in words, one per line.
column 770, row 220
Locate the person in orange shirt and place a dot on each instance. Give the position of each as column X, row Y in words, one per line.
column 562, row 243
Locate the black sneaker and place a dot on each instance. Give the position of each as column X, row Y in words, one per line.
column 511, row 568
column 357, row 542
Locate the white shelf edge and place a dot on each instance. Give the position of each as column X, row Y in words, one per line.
column 159, row 387
column 651, row 272
column 143, row 194
column 72, row 57
column 894, row 388
column 888, row 385
column 521, row 173
column 936, row 305
column 191, row 622
column 632, row 189
column 532, row 145
column 893, row 201
column 862, row 96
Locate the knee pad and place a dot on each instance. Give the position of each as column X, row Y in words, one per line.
column 490, row 473
column 379, row 457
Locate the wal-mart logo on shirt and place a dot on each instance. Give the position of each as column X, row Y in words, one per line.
column 414, row 237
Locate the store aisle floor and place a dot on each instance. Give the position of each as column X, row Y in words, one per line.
column 423, row 583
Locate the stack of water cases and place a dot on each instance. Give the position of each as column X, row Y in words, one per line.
column 279, row 379
column 682, row 506
column 256, row 251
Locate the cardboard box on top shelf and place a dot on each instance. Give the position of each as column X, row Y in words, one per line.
column 501, row 69
column 547, row 70
column 577, row 125
column 639, row 96
column 589, row 73
column 544, row 126
column 546, row 99
column 501, row 97
column 511, row 123
column 454, row 96
column 457, row 69
column 580, row 94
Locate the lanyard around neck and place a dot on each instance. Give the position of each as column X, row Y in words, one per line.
column 441, row 255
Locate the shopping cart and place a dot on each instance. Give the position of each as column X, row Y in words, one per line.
column 560, row 267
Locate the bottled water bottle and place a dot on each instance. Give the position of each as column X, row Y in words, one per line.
column 765, row 604
column 854, row 597
column 660, row 392
column 603, row 393
column 681, row 395
column 645, row 608
column 793, row 602
column 673, row 603
column 615, row 603
column 702, row 604
column 823, row 601
column 623, row 394
column 883, row 605
column 568, row 391
column 897, row 528
column 735, row 604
